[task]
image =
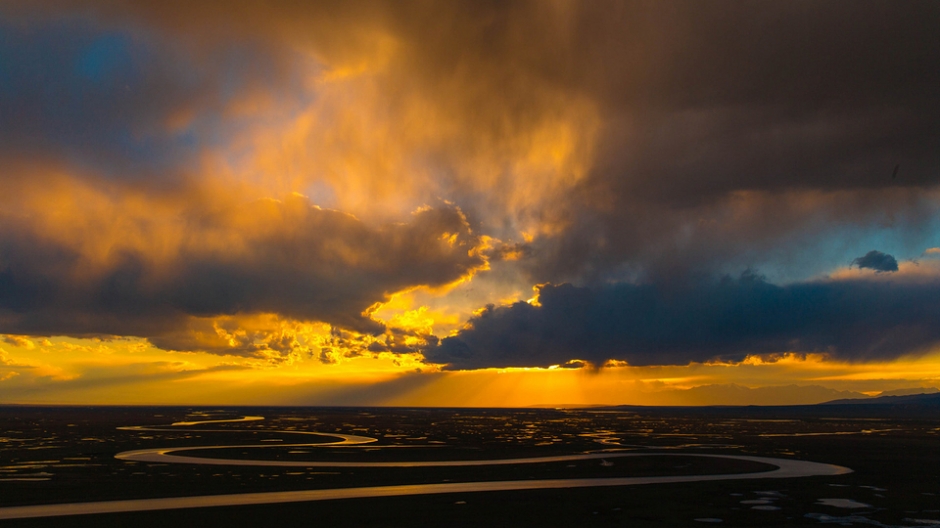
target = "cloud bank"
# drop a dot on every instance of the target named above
(157, 272)
(726, 319)
(623, 154)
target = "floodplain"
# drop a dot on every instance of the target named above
(641, 463)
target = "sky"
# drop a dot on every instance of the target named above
(468, 203)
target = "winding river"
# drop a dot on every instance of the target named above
(785, 468)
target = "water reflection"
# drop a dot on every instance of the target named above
(785, 469)
(79, 448)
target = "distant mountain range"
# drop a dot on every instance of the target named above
(738, 395)
(932, 399)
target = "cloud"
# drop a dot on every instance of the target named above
(725, 319)
(134, 268)
(545, 102)
(19, 341)
(6, 362)
(102, 377)
(125, 104)
(878, 261)
(627, 144)
(108, 383)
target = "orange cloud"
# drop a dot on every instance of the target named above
(344, 200)
(165, 266)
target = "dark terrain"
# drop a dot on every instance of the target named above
(66, 454)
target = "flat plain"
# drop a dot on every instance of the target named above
(55, 455)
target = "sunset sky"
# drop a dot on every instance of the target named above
(468, 203)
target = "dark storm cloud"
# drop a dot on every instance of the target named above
(288, 258)
(878, 261)
(699, 100)
(731, 134)
(120, 102)
(723, 319)
(802, 108)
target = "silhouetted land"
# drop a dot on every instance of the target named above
(66, 454)
(912, 400)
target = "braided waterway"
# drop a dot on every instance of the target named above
(784, 468)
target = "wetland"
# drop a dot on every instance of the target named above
(631, 466)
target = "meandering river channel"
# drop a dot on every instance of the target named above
(785, 468)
